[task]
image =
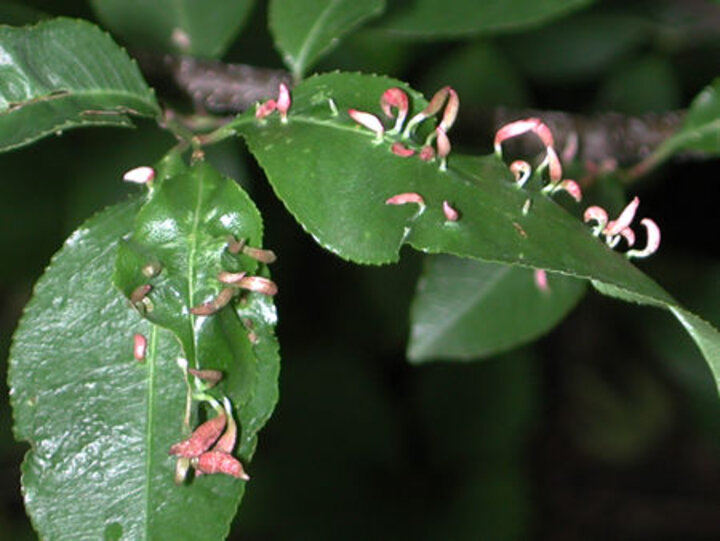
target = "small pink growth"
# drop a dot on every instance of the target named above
(257, 284)
(451, 215)
(427, 153)
(217, 462)
(541, 281)
(139, 293)
(226, 443)
(231, 277)
(571, 147)
(201, 439)
(443, 143)
(258, 254)
(401, 150)
(571, 187)
(180, 39)
(545, 135)
(212, 377)
(405, 198)
(212, 307)
(653, 239)
(367, 120)
(451, 110)
(395, 98)
(512, 130)
(283, 101)
(140, 175)
(139, 347)
(521, 170)
(629, 236)
(598, 215)
(520, 230)
(624, 220)
(554, 165)
(265, 109)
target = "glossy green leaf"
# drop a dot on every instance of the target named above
(334, 177)
(701, 129)
(184, 228)
(304, 30)
(176, 26)
(466, 309)
(100, 423)
(62, 74)
(429, 19)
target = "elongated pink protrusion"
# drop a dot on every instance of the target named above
(201, 439)
(543, 132)
(283, 101)
(140, 175)
(368, 120)
(521, 170)
(395, 98)
(226, 443)
(653, 240)
(554, 165)
(541, 281)
(259, 254)
(513, 129)
(265, 109)
(257, 284)
(401, 150)
(405, 198)
(217, 462)
(139, 293)
(231, 277)
(451, 110)
(451, 215)
(427, 153)
(139, 347)
(443, 147)
(571, 187)
(629, 236)
(624, 220)
(212, 377)
(598, 215)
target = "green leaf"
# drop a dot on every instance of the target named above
(62, 74)
(334, 177)
(100, 423)
(304, 30)
(701, 129)
(428, 19)
(466, 309)
(176, 26)
(184, 228)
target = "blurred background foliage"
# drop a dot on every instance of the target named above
(607, 428)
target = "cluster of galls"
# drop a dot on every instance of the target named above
(615, 230)
(209, 448)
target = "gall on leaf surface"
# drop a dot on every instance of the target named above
(334, 177)
(99, 422)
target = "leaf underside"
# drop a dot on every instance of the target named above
(334, 177)
(176, 26)
(465, 309)
(62, 74)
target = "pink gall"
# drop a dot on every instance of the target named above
(265, 109)
(139, 347)
(653, 240)
(521, 170)
(395, 98)
(368, 121)
(451, 215)
(405, 198)
(283, 101)
(217, 462)
(140, 175)
(541, 281)
(624, 220)
(201, 439)
(401, 150)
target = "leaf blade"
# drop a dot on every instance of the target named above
(466, 309)
(304, 30)
(176, 26)
(90, 409)
(61, 74)
(347, 175)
